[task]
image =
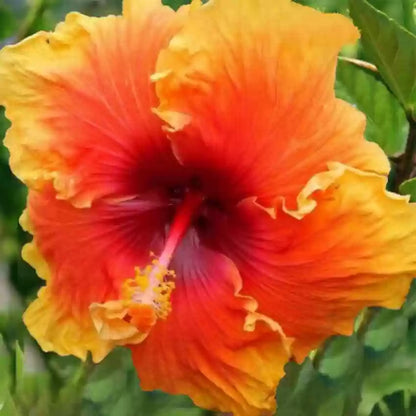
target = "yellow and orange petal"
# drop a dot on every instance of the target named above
(59, 331)
(348, 245)
(85, 255)
(113, 324)
(91, 251)
(214, 346)
(80, 101)
(247, 88)
(143, 300)
(65, 333)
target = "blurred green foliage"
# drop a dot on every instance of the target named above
(409, 187)
(372, 372)
(392, 48)
(359, 375)
(386, 120)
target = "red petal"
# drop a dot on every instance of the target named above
(314, 273)
(207, 348)
(80, 100)
(248, 89)
(91, 251)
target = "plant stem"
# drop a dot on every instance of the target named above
(70, 395)
(360, 63)
(35, 12)
(407, 162)
(320, 353)
(384, 409)
(365, 323)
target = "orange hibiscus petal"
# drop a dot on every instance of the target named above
(214, 346)
(248, 90)
(59, 331)
(349, 245)
(85, 255)
(80, 100)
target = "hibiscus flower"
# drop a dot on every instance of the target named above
(198, 194)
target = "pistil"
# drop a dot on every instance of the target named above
(152, 286)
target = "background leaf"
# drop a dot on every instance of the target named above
(358, 375)
(175, 4)
(386, 121)
(402, 11)
(409, 188)
(392, 49)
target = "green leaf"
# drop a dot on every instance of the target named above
(113, 389)
(399, 10)
(395, 373)
(7, 405)
(109, 380)
(387, 330)
(19, 370)
(358, 375)
(392, 49)
(342, 358)
(409, 308)
(5, 370)
(175, 4)
(305, 391)
(326, 5)
(409, 188)
(7, 21)
(386, 121)
(408, 7)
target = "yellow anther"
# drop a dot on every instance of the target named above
(151, 286)
(142, 281)
(162, 299)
